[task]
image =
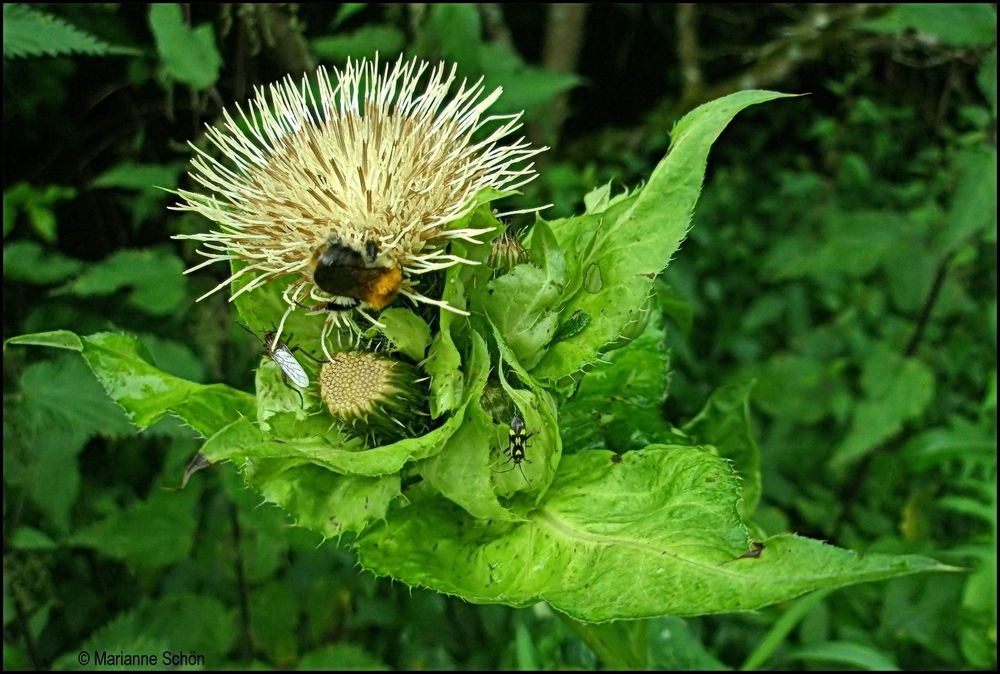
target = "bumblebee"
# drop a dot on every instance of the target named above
(352, 276)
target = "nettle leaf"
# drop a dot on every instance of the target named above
(29, 538)
(853, 243)
(386, 40)
(124, 634)
(952, 24)
(28, 32)
(622, 249)
(274, 622)
(145, 392)
(619, 404)
(149, 534)
(177, 623)
(340, 657)
(523, 303)
(974, 204)
(189, 55)
(36, 203)
(799, 388)
(724, 423)
(58, 408)
(897, 389)
(526, 87)
(27, 261)
(155, 279)
(141, 177)
(986, 78)
(666, 515)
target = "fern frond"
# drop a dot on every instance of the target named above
(28, 32)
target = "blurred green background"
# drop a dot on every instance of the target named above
(843, 255)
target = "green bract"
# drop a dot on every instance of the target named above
(567, 341)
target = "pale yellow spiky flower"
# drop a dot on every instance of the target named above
(389, 155)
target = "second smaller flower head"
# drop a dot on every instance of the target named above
(351, 187)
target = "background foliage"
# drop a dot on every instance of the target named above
(842, 257)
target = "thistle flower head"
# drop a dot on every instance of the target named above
(366, 171)
(506, 252)
(375, 395)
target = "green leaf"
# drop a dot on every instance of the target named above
(897, 390)
(64, 390)
(179, 623)
(37, 203)
(28, 32)
(666, 513)
(977, 634)
(724, 422)
(798, 388)
(189, 55)
(126, 633)
(526, 87)
(974, 204)
(845, 653)
(143, 391)
(28, 261)
(619, 404)
(340, 657)
(321, 500)
(274, 622)
(537, 409)
(29, 538)
(149, 534)
(386, 40)
(462, 470)
(782, 627)
(155, 278)
(452, 31)
(935, 447)
(853, 244)
(142, 177)
(262, 310)
(673, 646)
(986, 78)
(522, 303)
(244, 441)
(175, 358)
(443, 365)
(953, 24)
(58, 408)
(409, 333)
(617, 254)
(347, 10)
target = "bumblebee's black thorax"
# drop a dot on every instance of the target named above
(343, 271)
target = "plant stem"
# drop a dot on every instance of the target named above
(782, 627)
(241, 581)
(925, 312)
(618, 645)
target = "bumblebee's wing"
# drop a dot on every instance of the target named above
(290, 366)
